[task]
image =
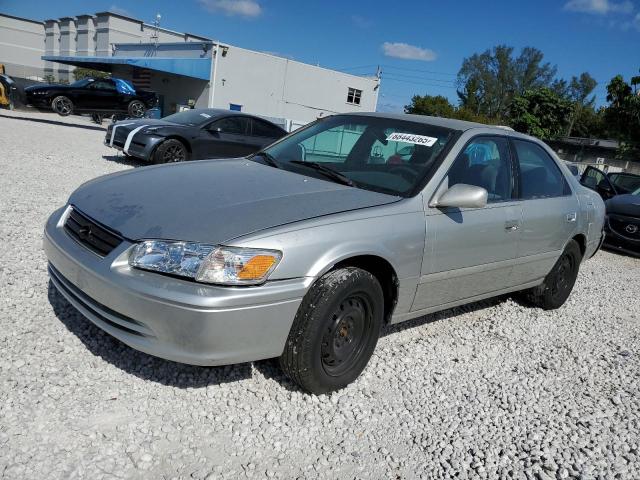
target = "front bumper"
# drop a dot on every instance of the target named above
(139, 146)
(167, 317)
(615, 241)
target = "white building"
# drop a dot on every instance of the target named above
(181, 67)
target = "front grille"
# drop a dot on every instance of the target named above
(90, 234)
(624, 226)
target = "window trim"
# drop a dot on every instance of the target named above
(514, 184)
(359, 96)
(567, 190)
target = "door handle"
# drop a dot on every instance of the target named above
(572, 217)
(511, 225)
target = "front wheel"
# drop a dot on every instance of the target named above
(171, 151)
(62, 105)
(136, 109)
(335, 331)
(559, 282)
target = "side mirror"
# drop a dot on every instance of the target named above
(462, 195)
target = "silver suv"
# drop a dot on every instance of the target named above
(306, 249)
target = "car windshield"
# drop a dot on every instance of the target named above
(625, 182)
(381, 154)
(83, 82)
(189, 117)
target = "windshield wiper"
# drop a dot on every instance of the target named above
(268, 158)
(326, 171)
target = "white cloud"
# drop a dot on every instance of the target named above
(599, 7)
(243, 8)
(408, 52)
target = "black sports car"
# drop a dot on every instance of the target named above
(92, 95)
(621, 192)
(192, 135)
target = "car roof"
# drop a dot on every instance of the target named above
(461, 125)
(221, 112)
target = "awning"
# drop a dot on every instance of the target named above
(199, 68)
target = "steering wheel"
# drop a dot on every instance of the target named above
(405, 172)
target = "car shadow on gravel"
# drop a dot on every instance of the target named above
(443, 315)
(54, 122)
(122, 160)
(137, 363)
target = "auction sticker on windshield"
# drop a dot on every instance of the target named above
(411, 138)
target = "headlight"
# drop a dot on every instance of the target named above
(151, 129)
(206, 263)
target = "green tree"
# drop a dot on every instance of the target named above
(540, 112)
(80, 73)
(434, 106)
(488, 81)
(579, 93)
(622, 115)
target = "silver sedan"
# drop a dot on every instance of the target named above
(306, 249)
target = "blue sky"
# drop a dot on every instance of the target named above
(419, 45)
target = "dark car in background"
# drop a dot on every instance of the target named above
(193, 135)
(92, 95)
(621, 192)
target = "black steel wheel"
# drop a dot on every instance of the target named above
(62, 105)
(171, 151)
(559, 282)
(335, 331)
(136, 109)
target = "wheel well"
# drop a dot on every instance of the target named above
(384, 273)
(180, 139)
(582, 243)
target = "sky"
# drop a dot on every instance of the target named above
(419, 45)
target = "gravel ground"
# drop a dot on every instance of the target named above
(495, 389)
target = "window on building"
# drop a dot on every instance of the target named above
(235, 107)
(353, 96)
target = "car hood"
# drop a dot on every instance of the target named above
(624, 205)
(213, 201)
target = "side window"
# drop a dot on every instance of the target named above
(486, 163)
(263, 129)
(102, 85)
(232, 125)
(540, 177)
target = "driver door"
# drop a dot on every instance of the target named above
(470, 252)
(226, 138)
(597, 180)
(101, 95)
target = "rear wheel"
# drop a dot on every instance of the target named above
(558, 284)
(62, 105)
(335, 331)
(136, 109)
(171, 151)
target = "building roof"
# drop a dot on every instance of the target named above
(22, 19)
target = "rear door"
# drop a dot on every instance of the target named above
(470, 252)
(227, 137)
(549, 211)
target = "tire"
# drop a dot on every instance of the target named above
(62, 105)
(335, 331)
(136, 109)
(559, 282)
(171, 151)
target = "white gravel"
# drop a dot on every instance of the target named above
(491, 390)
